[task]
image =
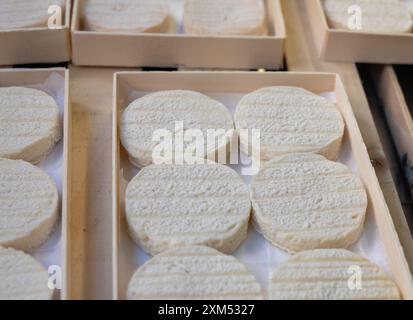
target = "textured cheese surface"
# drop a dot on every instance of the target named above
(303, 201)
(327, 275)
(17, 14)
(30, 125)
(290, 120)
(161, 110)
(169, 206)
(28, 205)
(389, 16)
(229, 17)
(22, 277)
(126, 15)
(193, 273)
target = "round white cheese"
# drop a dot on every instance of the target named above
(169, 206)
(330, 275)
(22, 277)
(229, 17)
(179, 113)
(303, 201)
(193, 273)
(29, 205)
(289, 120)
(135, 16)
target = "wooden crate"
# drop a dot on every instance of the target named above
(243, 83)
(32, 77)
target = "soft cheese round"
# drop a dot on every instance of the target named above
(193, 273)
(22, 277)
(135, 16)
(28, 205)
(303, 201)
(18, 14)
(169, 206)
(389, 16)
(330, 274)
(289, 120)
(229, 17)
(163, 110)
(30, 124)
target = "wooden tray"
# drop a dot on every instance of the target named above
(179, 50)
(350, 46)
(58, 253)
(37, 45)
(378, 216)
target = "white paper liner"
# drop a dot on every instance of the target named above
(48, 254)
(259, 255)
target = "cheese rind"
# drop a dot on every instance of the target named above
(193, 273)
(165, 111)
(289, 120)
(135, 16)
(330, 275)
(388, 16)
(303, 202)
(170, 206)
(229, 17)
(30, 125)
(22, 277)
(29, 204)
